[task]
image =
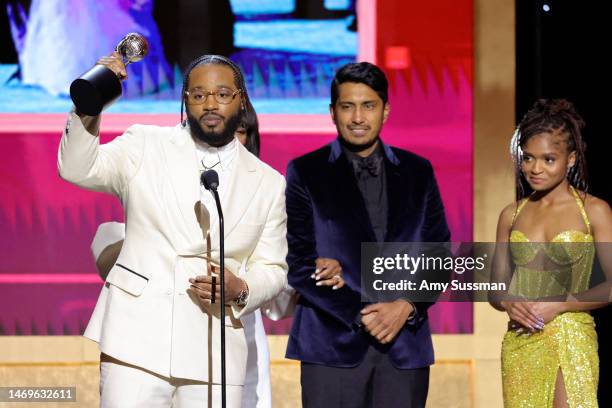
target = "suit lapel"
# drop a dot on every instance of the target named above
(347, 191)
(397, 192)
(182, 168)
(244, 182)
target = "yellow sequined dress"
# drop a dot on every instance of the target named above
(569, 342)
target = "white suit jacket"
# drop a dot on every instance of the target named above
(256, 391)
(144, 316)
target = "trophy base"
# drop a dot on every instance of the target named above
(96, 90)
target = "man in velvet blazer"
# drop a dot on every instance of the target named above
(357, 189)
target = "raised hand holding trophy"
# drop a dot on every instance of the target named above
(100, 87)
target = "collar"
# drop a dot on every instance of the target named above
(225, 154)
(336, 152)
(378, 152)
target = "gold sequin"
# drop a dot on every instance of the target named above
(530, 363)
(569, 342)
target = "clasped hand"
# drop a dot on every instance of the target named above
(533, 315)
(207, 288)
(385, 320)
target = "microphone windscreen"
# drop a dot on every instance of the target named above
(210, 179)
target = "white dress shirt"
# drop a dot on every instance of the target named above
(220, 159)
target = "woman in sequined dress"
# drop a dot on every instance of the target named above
(552, 231)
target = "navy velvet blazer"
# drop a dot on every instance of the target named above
(327, 218)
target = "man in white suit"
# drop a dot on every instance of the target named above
(256, 392)
(155, 323)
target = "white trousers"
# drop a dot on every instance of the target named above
(126, 386)
(256, 392)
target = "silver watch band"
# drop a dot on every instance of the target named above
(243, 296)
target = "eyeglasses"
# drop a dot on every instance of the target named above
(223, 96)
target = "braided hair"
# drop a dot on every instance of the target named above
(217, 60)
(551, 116)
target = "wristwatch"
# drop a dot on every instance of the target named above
(243, 296)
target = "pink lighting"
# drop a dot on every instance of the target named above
(46, 224)
(34, 278)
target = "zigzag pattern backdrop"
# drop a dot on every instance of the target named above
(48, 283)
(47, 224)
(267, 74)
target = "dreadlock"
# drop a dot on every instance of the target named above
(251, 126)
(217, 60)
(556, 116)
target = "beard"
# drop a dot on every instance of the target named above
(212, 138)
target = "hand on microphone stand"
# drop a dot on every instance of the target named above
(202, 286)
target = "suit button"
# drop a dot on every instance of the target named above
(168, 292)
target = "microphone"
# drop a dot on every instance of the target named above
(210, 180)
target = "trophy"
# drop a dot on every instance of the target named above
(100, 87)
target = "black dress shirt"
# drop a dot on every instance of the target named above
(370, 174)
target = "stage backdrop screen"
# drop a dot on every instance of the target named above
(287, 49)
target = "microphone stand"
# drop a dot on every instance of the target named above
(210, 180)
(222, 274)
